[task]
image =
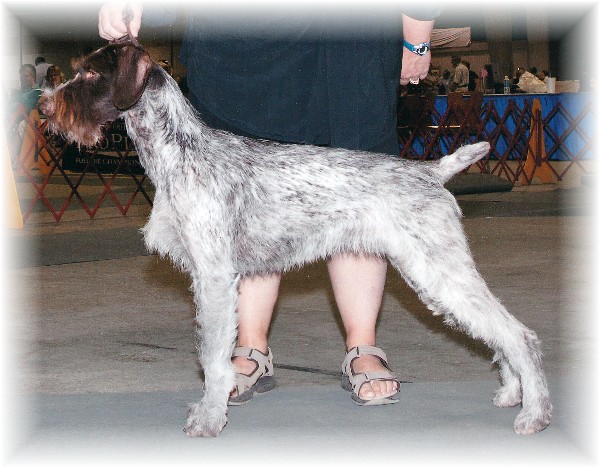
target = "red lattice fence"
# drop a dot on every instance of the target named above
(525, 143)
(40, 159)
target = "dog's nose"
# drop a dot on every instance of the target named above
(47, 106)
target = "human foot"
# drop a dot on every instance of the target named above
(254, 374)
(367, 375)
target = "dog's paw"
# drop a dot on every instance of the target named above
(204, 422)
(508, 396)
(531, 421)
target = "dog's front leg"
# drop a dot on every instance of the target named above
(215, 295)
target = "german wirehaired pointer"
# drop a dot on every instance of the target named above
(228, 207)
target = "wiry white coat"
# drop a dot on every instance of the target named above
(227, 207)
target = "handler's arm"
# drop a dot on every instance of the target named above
(416, 32)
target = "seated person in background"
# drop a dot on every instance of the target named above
(28, 94)
(27, 97)
(54, 77)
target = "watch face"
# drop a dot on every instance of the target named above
(422, 49)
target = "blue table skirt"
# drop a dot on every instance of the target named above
(569, 121)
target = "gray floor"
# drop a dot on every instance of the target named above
(103, 360)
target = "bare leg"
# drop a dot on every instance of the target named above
(358, 283)
(256, 301)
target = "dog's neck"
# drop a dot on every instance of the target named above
(163, 117)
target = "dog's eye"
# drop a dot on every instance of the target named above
(90, 75)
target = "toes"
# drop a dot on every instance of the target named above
(374, 388)
(203, 422)
(532, 420)
(506, 400)
(378, 389)
(367, 392)
(525, 424)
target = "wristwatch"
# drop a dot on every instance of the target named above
(419, 49)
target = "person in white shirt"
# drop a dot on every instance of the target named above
(460, 78)
(41, 69)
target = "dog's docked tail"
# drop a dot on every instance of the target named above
(452, 164)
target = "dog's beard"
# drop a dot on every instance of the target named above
(77, 122)
(81, 136)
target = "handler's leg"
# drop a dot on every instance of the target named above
(256, 301)
(358, 283)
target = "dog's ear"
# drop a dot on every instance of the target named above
(130, 77)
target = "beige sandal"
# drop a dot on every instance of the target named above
(352, 382)
(260, 380)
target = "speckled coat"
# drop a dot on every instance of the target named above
(228, 207)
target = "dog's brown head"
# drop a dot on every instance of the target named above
(107, 82)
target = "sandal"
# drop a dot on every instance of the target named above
(352, 382)
(260, 380)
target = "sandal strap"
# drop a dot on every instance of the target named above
(264, 367)
(254, 355)
(358, 351)
(357, 380)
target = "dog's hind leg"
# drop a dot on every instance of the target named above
(438, 265)
(510, 392)
(215, 295)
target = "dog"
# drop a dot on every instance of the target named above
(228, 207)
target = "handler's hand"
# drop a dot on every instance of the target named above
(111, 25)
(414, 66)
